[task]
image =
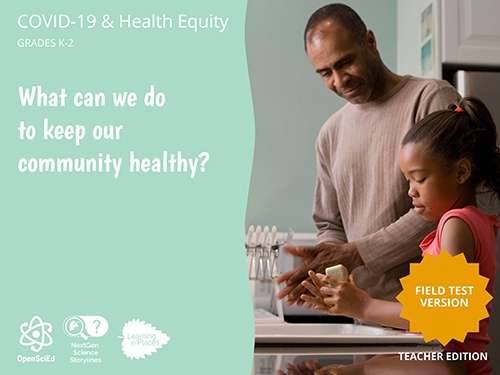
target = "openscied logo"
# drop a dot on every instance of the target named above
(35, 334)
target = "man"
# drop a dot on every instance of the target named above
(364, 216)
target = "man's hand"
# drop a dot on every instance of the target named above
(317, 259)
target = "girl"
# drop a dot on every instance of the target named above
(446, 158)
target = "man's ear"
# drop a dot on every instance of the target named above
(370, 40)
(464, 170)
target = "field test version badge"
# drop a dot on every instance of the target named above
(444, 297)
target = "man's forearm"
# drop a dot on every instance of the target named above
(330, 233)
(394, 245)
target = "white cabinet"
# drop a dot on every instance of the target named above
(470, 32)
(465, 33)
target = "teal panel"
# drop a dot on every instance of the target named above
(157, 244)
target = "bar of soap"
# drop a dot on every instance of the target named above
(338, 271)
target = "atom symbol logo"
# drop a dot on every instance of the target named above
(35, 330)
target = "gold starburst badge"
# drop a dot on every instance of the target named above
(444, 297)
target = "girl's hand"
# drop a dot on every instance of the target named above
(301, 368)
(345, 299)
(314, 288)
(334, 370)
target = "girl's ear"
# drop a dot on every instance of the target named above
(464, 170)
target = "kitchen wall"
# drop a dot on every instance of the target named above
(291, 104)
(409, 36)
